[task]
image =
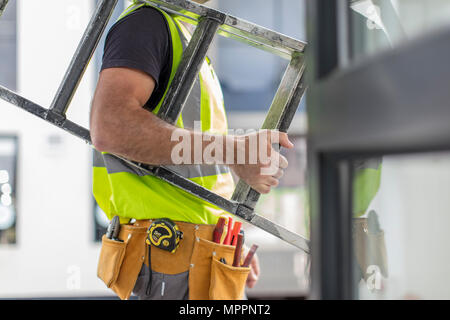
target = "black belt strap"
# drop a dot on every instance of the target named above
(149, 284)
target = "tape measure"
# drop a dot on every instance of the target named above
(164, 234)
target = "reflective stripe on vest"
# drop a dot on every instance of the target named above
(121, 189)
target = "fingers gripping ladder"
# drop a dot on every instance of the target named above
(209, 23)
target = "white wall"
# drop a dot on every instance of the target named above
(55, 254)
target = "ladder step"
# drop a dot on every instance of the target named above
(188, 69)
(81, 58)
(236, 28)
(280, 115)
(42, 113)
(287, 97)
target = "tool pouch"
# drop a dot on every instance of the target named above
(110, 260)
(227, 282)
(210, 279)
(120, 262)
(370, 248)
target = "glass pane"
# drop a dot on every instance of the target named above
(380, 24)
(249, 76)
(400, 227)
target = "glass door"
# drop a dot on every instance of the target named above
(378, 148)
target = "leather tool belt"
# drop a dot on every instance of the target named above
(120, 262)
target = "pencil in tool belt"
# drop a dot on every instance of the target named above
(230, 230)
(236, 229)
(238, 250)
(249, 256)
(218, 230)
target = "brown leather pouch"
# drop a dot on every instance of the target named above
(120, 262)
(210, 279)
(110, 260)
(227, 282)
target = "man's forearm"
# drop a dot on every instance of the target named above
(141, 136)
(119, 125)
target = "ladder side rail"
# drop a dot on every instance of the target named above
(190, 65)
(230, 206)
(280, 115)
(281, 232)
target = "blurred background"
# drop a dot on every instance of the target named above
(50, 225)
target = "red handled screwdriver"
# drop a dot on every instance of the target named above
(218, 230)
(236, 229)
(230, 230)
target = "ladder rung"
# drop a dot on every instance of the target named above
(188, 69)
(280, 115)
(236, 28)
(81, 59)
(287, 98)
(42, 113)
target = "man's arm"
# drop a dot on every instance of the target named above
(120, 125)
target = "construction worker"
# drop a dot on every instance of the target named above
(142, 52)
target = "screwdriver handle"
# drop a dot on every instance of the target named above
(238, 250)
(227, 240)
(218, 230)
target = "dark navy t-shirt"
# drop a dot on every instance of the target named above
(141, 41)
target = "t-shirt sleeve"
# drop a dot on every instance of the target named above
(138, 41)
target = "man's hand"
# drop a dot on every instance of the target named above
(263, 166)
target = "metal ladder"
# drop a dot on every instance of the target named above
(209, 23)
